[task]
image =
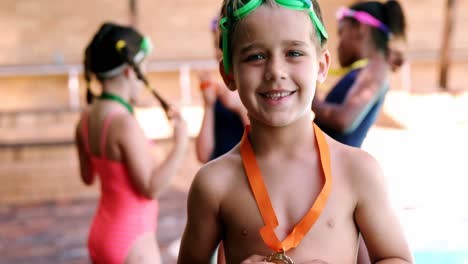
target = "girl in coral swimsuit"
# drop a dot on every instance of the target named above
(112, 146)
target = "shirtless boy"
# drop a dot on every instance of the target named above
(287, 193)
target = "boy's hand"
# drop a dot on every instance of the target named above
(255, 259)
(315, 261)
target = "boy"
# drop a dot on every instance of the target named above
(286, 181)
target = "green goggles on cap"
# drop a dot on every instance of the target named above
(146, 47)
(247, 8)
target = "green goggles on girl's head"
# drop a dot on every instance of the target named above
(249, 6)
(146, 46)
(144, 50)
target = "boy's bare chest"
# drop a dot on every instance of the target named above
(291, 200)
(292, 190)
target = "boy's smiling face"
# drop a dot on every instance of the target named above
(276, 63)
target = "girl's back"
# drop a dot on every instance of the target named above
(113, 147)
(123, 214)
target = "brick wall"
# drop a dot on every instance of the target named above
(51, 31)
(56, 31)
(41, 174)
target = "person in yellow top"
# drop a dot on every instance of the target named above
(288, 193)
(366, 31)
(367, 52)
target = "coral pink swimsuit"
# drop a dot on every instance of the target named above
(123, 215)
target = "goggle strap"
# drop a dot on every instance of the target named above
(296, 5)
(146, 45)
(321, 31)
(247, 8)
(224, 42)
(226, 61)
(252, 5)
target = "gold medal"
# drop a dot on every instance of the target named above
(278, 258)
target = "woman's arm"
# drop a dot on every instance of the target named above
(205, 141)
(345, 117)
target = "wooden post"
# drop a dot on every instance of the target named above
(446, 43)
(133, 7)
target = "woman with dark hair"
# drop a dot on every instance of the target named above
(224, 116)
(112, 145)
(367, 31)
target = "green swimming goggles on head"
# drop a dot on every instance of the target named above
(146, 46)
(145, 49)
(249, 6)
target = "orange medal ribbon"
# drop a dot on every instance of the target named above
(263, 200)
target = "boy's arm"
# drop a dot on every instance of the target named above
(375, 217)
(202, 231)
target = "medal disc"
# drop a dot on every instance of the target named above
(279, 258)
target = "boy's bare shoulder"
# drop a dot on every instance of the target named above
(359, 165)
(216, 176)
